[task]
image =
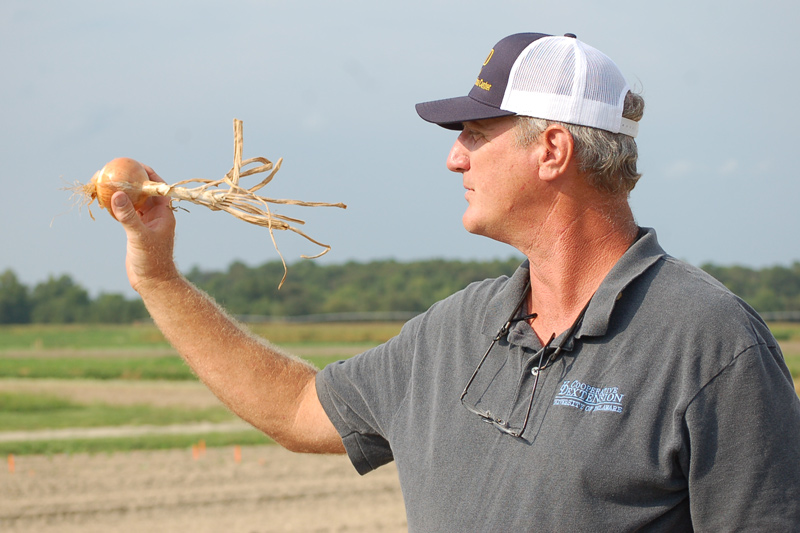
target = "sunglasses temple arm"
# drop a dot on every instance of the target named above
(472, 378)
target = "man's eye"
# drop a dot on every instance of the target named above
(473, 135)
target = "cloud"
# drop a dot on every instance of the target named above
(679, 169)
(763, 167)
(728, 167)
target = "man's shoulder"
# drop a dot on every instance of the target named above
(689, 296)
(468, 306)
(485, 290)
(690, 277)
(689, 285)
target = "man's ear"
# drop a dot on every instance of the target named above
(556, 152)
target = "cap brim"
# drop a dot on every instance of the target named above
(453, 112)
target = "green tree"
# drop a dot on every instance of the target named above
(59, 301)
(15, 303)
(115, 309)
(774, 288)
(383, 285)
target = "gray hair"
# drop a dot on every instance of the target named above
(608, 159)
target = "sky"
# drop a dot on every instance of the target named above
(330, 87)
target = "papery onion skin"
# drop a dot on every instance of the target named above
(121, 174)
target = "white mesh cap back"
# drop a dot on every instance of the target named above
(566, 80)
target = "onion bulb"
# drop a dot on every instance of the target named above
(121, 174)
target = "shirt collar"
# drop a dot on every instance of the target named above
(641, 255)
(502, 304)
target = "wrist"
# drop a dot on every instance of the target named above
(165, 283)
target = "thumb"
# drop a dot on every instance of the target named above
(122, 209)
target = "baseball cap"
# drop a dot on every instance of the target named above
(544, 76)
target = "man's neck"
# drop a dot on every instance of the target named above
(569, 262)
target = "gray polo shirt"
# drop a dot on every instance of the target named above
(669, 409)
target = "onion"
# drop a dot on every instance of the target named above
(121, 174)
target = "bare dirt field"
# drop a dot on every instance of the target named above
(263, 489)
(267, 490)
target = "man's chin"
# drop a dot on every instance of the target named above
(472, 226)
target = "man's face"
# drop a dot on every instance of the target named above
(498, 176)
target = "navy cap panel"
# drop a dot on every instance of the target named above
(486, 95)
(490, 87)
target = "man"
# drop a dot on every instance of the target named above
(605, 386)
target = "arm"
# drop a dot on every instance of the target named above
(269, 389)
(744, 447)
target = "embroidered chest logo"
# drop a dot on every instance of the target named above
(588, 398)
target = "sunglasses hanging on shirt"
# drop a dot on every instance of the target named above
(486, 415)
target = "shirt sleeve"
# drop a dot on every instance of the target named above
(743, 459)
(362, 394)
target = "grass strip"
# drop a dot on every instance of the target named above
(792, 359)
(80, 336)
(166, 368)
(23, 412)
(135, 336)
(125, 444)
(327, 332)
(134, 368)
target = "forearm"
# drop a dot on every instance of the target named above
(257, 381)
(273, 391)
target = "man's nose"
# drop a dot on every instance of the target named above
(458, 158)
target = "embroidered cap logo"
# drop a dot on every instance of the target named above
(488, 58)
(481, 83)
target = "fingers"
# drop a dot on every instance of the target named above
(150, 234)
(152, 174)
(154, 220)
(124, 211)
(151, 237)
(155, 200)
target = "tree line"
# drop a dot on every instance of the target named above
(314, 289)
(60, 300)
